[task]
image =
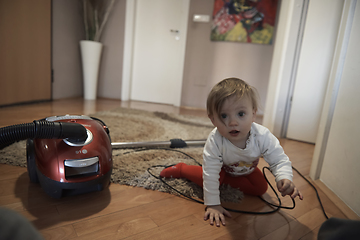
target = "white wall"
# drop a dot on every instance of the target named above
(208, 62)
(341, 165)
(111, 67)
(68, 30)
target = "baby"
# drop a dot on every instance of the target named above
(232, 150)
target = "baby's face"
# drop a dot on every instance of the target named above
(235, 119)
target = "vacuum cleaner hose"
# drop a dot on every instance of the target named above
(42, 130)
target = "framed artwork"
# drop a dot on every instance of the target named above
(249, 21)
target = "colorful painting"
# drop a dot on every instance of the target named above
(250, 21)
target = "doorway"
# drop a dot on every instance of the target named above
(158, 50)
(313, 69)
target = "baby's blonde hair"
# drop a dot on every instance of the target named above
(227, 88)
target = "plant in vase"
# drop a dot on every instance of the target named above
(95, 13)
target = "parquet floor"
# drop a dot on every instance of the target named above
(122, 212)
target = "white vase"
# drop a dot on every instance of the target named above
(90, 55)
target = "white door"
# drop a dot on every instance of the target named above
(315, 61)
(159, 50)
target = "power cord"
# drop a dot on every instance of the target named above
(317, 193)
(276, 207)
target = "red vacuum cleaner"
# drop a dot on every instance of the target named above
(72, 154)
(67, 155)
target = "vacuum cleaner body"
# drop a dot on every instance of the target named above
(68, 166)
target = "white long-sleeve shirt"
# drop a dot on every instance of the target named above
(219, 153)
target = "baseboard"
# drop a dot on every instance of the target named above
(348, 212)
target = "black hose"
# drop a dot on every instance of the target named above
(42, 130)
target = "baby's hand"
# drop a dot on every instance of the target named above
(216, 212)
(287, 187)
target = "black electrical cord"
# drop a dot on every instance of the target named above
(276, 207)
(317, 194)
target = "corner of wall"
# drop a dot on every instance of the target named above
(277, 67)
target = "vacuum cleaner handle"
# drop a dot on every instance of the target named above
(42, 130)
(173, 143)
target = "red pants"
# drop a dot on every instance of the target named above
(252, 184)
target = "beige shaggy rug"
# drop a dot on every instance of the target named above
(130, 166)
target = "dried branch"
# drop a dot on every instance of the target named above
(96, 14)
(104, 20)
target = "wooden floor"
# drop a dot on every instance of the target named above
(122, 212)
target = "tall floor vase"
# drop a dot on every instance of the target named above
(90, 55)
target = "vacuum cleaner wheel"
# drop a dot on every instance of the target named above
(31, 163)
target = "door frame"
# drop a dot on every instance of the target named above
(128, 50)
(130, 19)
(284, 65)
